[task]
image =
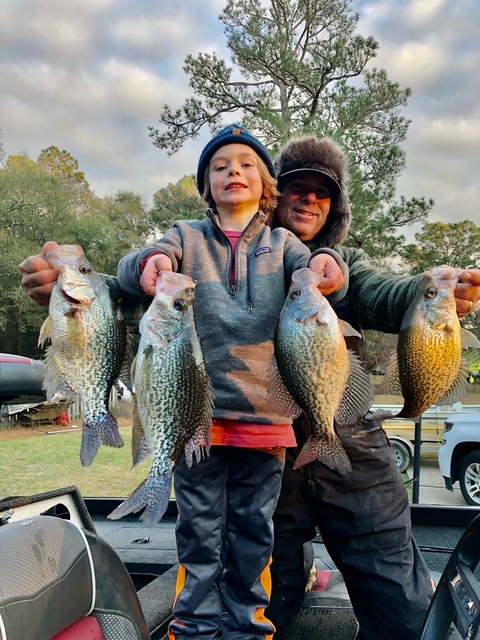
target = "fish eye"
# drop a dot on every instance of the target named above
(294, 293)
(86, 271)
(180, 304)
(431, 293)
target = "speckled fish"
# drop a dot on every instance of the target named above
(172, 394)
(318, 374)
(88, 345)
(427, 368)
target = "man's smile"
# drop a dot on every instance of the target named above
(305, 212)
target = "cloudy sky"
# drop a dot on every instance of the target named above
(89, 76)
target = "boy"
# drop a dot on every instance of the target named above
(242, 269)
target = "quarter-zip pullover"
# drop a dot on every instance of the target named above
(235, 318)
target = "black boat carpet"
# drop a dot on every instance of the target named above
(322, 619)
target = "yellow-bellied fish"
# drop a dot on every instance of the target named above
(427, 368)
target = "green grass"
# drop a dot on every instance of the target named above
(42, 463)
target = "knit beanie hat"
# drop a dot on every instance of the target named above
(323, 156)
(231, 134)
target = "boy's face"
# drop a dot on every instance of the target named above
(304, 205)
(235, 180)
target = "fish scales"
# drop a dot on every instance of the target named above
(320, 376)
(427, 368)
(172, 394)
(308, 357)
(431, 357)
(88, 345)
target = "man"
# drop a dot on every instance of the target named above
(363, 516)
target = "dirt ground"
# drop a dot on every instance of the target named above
(472, 397)
(20, 432)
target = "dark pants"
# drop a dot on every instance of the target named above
(364, 520)
(224, 538)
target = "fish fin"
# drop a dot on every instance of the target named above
(347, 329)
(96, 431)
(125, 374)
(328, 451)
(279, 398)
(148, 351)
(380, 414)
(54, 381)
(45, 331)
(140, 447)
(133, 369)
(153, 493)
(359, 393)
(469, 340)
(198, 445)
(391, 384)
(459, 387)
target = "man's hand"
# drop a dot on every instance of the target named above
(467, 291)
(333, 278)
(38, 277)
(157, 263)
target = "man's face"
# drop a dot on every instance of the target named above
(304, 204)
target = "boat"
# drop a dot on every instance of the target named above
(133, 570)
(21, 379)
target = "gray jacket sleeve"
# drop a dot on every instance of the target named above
(379, 297)
(128, 272)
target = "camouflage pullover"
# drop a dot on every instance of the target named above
(235, 317)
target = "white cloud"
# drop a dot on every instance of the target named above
(89, 76)
(417, 63)
(424, 10)
(460, 135)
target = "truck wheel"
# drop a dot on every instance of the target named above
(401, 454)
(469, 477)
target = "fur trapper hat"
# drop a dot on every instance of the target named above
(325, 157)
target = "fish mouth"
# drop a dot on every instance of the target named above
(76, 302)
(304, 315)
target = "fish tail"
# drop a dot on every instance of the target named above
(96, 431)
(153, 493)
(330, 452)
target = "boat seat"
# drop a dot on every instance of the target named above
(60, 582)
(455, 608)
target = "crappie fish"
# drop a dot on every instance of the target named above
(427, 368)
(318, 374)
(172, 394)
(88, 345)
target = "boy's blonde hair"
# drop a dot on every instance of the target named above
(267, 203)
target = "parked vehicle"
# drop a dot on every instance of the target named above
(21, 379)
(401, 433)
(459, 455)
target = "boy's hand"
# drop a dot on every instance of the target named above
(38, 277)
(333, 278)
(157, 263)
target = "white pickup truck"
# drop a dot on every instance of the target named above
(401, 433)
(459, 455)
